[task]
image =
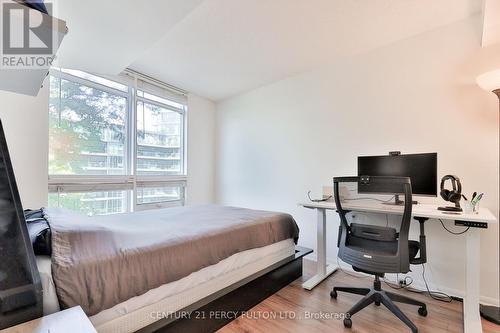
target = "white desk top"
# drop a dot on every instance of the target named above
(71, 320)
(421, 210)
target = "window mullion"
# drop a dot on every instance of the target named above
(134, 143)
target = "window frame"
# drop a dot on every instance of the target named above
(131, 180)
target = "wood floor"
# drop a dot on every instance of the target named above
(292, 308)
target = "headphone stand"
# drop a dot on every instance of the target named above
(457, 208)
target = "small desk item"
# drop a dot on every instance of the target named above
(472, 319)
(71, 320)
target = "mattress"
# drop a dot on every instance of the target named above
(140, 311)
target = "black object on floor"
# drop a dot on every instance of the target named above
(490, 313)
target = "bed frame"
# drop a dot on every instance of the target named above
(206, 314)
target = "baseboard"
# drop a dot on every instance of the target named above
(418, 283)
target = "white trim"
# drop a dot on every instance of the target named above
(161, 179)
(72, 78)
(82, 179)
(159, 104)
(146, 78)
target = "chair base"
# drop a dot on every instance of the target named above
(378, 296)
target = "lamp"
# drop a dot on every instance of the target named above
(490, 81)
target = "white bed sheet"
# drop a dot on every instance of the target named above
(140, 311)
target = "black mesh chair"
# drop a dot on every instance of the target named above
(378, 250)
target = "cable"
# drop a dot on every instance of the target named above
(407, 285)
(318, 200)
(376, 199)
(452, 232)
(436, 295)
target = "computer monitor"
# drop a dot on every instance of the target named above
(421, 168)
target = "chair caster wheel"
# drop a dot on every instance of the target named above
(333, 294)
(377, 303)
(422, 311)
(347, 322)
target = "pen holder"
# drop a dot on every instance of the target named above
(475, 208)
(469, 208)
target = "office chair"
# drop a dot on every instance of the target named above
(378, 250)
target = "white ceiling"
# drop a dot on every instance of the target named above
(219, 48)
(107, 36)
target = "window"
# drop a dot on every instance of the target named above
(159, 140)
(114, 146)
(159, 194)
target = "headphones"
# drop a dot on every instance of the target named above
(456, 193)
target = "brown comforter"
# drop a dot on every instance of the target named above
(98, 262)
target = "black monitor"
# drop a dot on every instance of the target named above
(421, 168)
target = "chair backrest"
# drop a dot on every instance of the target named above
(366, 258)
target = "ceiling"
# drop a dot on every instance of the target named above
(220, 48)
(105, 37)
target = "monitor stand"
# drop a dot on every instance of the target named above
(398, 202)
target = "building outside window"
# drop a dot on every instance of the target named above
(114, 146)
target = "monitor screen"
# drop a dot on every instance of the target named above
(421, 168)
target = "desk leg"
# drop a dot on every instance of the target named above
(472, 319)
(323, 270)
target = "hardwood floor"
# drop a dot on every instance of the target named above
(294, 309)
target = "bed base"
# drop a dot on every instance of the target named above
(213, 312)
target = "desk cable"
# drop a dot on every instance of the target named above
(453, 232)
(393, 286)
(318, 200)
(436, 295)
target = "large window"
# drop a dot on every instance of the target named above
(114, 145)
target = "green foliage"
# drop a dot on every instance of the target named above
(79, 118)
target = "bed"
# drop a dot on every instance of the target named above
(213, 249)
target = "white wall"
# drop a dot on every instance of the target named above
(25, 121)
(201, 139)
(279, 141)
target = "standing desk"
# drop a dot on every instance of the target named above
(472, 319)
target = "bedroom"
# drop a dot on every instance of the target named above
(175, 110)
